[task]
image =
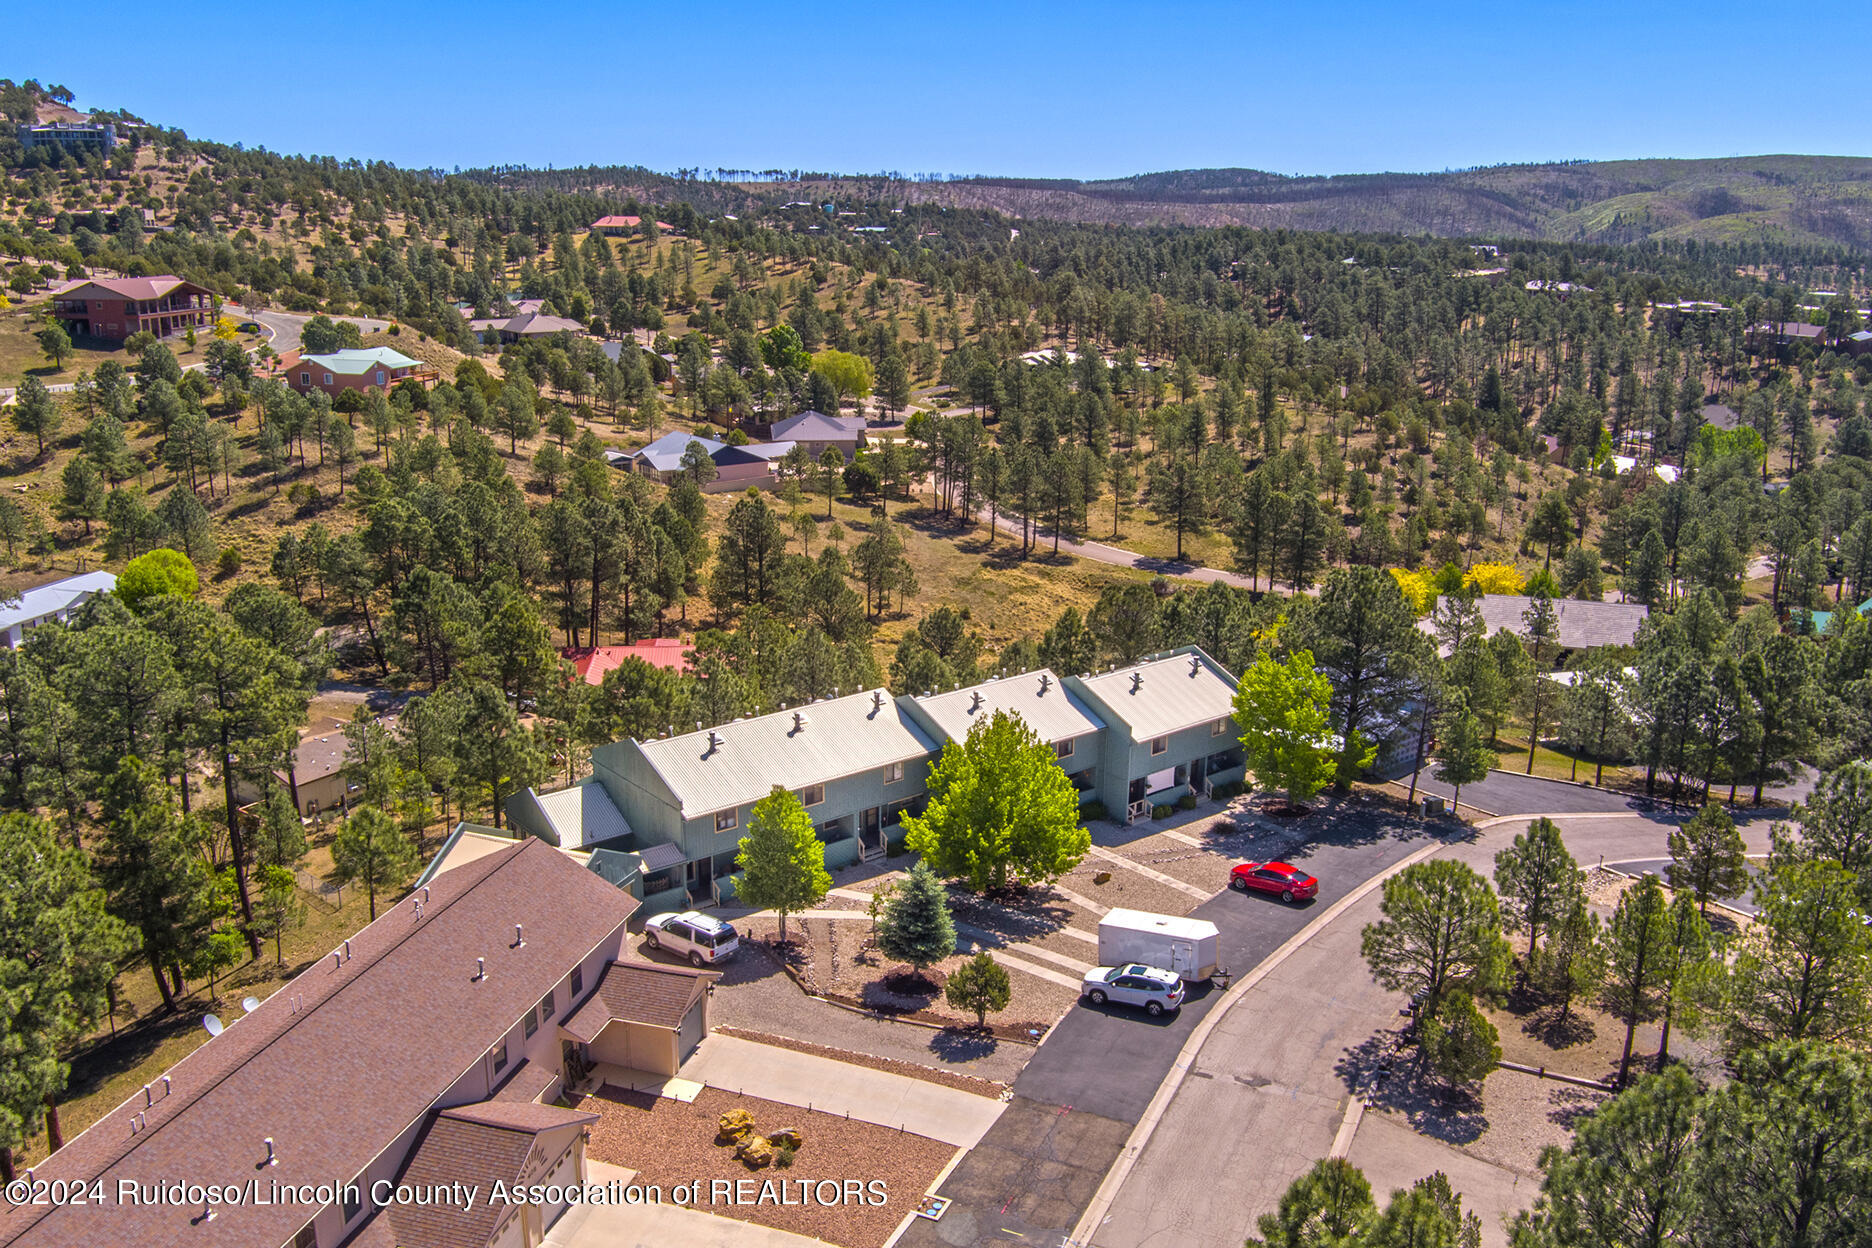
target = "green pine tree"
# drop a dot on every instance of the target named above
(916, 927)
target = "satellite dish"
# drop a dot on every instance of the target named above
(249, 1004)
(213, 1023)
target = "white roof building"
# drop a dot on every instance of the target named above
(54, 601)
(1054, 712)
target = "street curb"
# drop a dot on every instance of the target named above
(1140, 1137)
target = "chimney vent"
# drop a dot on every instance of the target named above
(480, 968)
(877, 699)
(1045, 682)
(1137, 681)
(1195, 665)
(714, 740)
(800, 721)
(975, 701)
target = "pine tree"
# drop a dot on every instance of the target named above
(1462, 752)
(782, 860)
(1537, 879)
(1707, 857)
(981, 984)
(916, 927)
(1638, 955)
(370, 848)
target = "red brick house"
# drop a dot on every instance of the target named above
(117, 307)
(371, 368)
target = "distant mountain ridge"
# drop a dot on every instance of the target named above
(1783, 198)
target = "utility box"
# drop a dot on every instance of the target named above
(1432, 805)
(1186, 947)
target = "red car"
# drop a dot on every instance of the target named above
(1290, 882)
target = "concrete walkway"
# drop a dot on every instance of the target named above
(833, 1087)
(658, 1226)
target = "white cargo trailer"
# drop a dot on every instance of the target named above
(1188, 947)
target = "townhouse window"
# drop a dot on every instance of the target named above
(1159, 744)
(500, 1057)
(353, 1199)
(546, 1005)
(1218, 728)
(531, 1022)
(578, 980)
(724, 820)
(812, 795)
(893, 772)
(1063, 749)
(307, 1237)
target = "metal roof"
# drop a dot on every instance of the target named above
(50, 599)
(1053, 711)
(583, 815)
(665, 454)
(662, 857)
(356, 361)
(741, 762)
(1583, 625)
(818, 427)
(1165, 695)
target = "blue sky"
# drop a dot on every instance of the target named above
(1034, 89)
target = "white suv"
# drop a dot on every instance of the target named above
(1135, 984)
(701, 938)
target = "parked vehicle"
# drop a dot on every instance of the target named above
(1156, 990)
(702, 938)
(1289, 882)
(1187, 947)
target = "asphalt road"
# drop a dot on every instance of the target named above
(284, 328)
(1657, 866)
(1092, 1079)
(1505, 793)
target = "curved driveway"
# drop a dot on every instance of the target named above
(1271, 1089)
(284, 328)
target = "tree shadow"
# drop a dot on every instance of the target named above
(1388, 1076)
(1548, 1027)
(963, 1044)
(1571, 1105)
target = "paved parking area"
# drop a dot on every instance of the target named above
(1089, 1083)
(1505, 793)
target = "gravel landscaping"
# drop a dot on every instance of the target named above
(1124, 889)
(929, 1074)
(837, 960)
(669, 1142)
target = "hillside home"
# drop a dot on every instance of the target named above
(53, 602)
(427, 1049)
(365, 368)
(116, 307)
(816, 431)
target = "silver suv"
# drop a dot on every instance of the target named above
(701, 938)
(1135, 984)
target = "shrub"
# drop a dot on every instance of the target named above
(229, 564)
(1228, 792)
(1161, 811)
(1186, 802)
(157, 573)
(783, 1155)
(1093, 810)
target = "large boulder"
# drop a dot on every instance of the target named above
(791, 1137)
(736, 1124)
(755, 1152)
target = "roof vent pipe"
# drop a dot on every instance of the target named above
(519, 937)
(800, 721)
(165, 1083)
(272, 1158)
(1045, 682)
(975, 701)
(877, 699)
(425, 894)
(480, 968)
(1195, 665)
(347, 950)
(1137, 681)
(337, 959)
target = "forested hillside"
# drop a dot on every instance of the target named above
(1766, 199)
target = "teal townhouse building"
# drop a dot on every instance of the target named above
(663, 818)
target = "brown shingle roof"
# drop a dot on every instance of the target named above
(473, 1144)
(639, 992)
(139, 288)
(340, 1062)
